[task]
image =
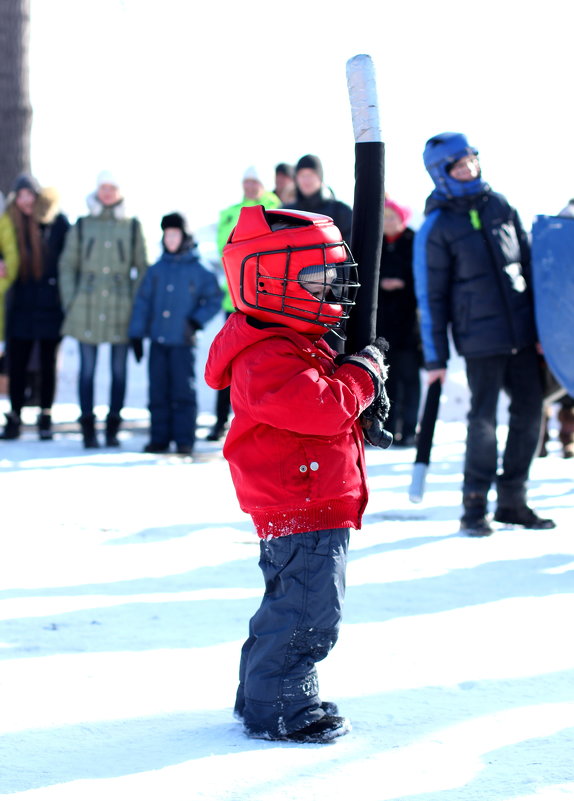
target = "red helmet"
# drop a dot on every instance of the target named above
(290, 267)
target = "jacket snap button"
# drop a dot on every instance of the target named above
(169, 287)
(106, 270)
(102, 317)
(303, 468)
(166, 313)
(314, 465)
(108, 244)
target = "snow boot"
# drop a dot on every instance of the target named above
(88, 423)
(45, 424)
(324, 730)
(157, 447)
(566, 434)
(12, 427)
(217, 432)
(474, 521)
(521, 514)
(113, 422)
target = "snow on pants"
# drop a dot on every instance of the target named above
(296, 626)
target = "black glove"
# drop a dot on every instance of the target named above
(137, 347)
(373, 419)
(191, 328)
(371, 359)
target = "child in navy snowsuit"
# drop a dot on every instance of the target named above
(177, 297)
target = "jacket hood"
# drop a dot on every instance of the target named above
(47, 205)
(239, 333)
(96, 208)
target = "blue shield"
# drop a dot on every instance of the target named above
(553, 283)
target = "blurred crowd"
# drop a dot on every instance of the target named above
(93, 281)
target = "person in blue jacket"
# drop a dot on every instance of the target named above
(177, 297)
(472, 275)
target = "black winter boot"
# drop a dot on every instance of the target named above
(521, 514)
(113, 422)
(474, 521)
(45, 424)
(12, 427)
(88, 423)
(323, 730)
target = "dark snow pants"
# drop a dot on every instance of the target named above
(296, 626)
(518, 375)
(172, 396)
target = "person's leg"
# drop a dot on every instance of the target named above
(411, 393)
(159, 399)
(48, 356)
(566, 420)
(485, 378)
(118, 364)
(523, 384)
(88, 361)
(183, 397)
(19, 351)
(296, 626)
(392, 388)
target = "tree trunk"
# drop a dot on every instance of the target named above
(15, 109)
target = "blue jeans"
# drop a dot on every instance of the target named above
(172, 396)
(518, 375)
(118, 364)
(296, 626)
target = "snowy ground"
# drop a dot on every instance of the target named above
(126, 584)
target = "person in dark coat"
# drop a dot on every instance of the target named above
(312, 194)
(472, 275)
(397, 322)
(177, 297)
(34, 314)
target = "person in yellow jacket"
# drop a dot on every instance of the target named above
(8, 263)
(254, 194)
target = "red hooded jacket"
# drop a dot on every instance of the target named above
(295, 447)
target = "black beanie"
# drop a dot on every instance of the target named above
(284, 169)
(25, 181)
(174, 220)
(310, 162)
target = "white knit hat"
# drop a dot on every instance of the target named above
(252, 174)
(107, 177)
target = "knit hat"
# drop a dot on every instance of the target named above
(174, 220)
(26, 181)
(106, 177)
(252, 174)
(310, 162)
(403, 212)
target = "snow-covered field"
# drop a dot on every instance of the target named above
(126, 584)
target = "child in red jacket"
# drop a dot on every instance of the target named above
(296, 453)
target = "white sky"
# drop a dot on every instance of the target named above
(179, 100)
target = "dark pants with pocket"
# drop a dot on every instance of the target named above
(20, 351)
(296, 626)
(518, 375)
(172, 396)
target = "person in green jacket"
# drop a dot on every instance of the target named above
(254, 194)
(101, 268)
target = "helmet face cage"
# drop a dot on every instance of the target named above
(315, 289)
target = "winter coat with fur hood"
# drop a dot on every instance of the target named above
(34, 309)
(101, 269)
(295, 447)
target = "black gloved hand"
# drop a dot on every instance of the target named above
(137, 347)
(373, 420)
(371, 359)
(191, 328)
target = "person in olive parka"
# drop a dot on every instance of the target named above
(101, 268)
